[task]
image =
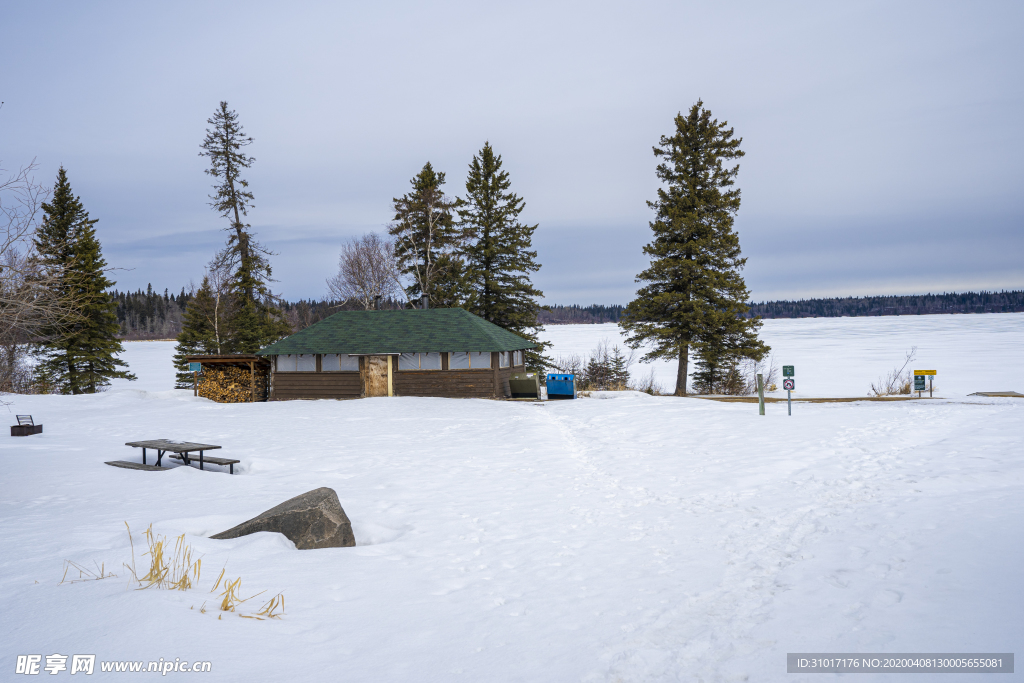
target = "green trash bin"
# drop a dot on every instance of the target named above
(524, 385)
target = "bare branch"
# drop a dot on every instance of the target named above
(367, 271)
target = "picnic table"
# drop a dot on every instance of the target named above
(182, 451)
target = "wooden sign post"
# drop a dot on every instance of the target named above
(760, 394)
(196, 368)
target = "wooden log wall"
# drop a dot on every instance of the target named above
(483, 383)
(312, 385)
(446, 383)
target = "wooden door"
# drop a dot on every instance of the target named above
(375, 376)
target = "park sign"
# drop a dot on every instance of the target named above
(919, 383)
(789, 384)
(195, 367)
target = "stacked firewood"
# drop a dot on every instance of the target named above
(230, 384)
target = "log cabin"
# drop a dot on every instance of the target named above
(445, 352)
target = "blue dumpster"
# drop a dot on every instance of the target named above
(561, 386)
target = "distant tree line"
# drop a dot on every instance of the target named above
(849, 306)
(149, 314)
(918, 304)
(576, 314)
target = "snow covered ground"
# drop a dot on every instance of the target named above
(618, 538)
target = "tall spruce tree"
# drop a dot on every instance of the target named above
(499, 255)
(256, 321)
(79, 355)
(428, 241)
(695, 296)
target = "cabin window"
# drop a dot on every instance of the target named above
(339, 362)
(457, 360)
(305, 362)
(419, 361)
(503, 359)
(517, 358)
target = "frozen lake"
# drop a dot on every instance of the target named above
(843, 356)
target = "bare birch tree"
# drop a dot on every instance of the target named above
(218, 275)
(367, 271)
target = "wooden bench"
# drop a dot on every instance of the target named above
(137, 466)
(208, 459)
(25, 426)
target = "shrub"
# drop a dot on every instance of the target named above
(898, 382)
(606, 368)
(738, 379)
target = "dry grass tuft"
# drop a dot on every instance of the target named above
(230, 598)
(176, 573)
(176, 568)
(270, 610)
(85, 574)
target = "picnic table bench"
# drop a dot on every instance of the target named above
(182, 451)
(128, 465)
(210, 459)
(26, 426)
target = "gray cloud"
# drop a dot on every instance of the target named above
(873, 131)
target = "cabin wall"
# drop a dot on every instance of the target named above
(490, 382)
(289, 386)
(445, 383)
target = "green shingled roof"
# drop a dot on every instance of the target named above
(405, 331)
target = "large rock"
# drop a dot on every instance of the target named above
(312, 520)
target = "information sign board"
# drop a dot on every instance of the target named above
(195, 367)
(925, 372)
(787, 371)
(919, 383)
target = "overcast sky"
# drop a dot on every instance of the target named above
(884, 141)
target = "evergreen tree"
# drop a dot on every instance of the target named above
(450, 289)
(695, 296)
(256, 322)
(199, 333)
(618, 370)
(78, 356)
(719, 352)
(428, 241)
(499, 258)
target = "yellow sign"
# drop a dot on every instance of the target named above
(925, 372)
